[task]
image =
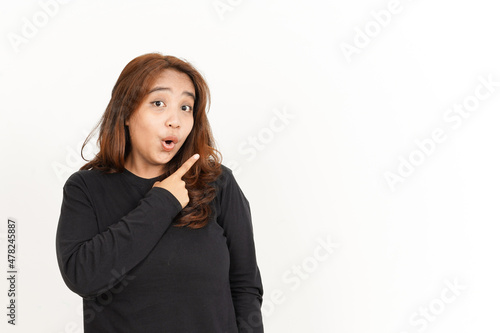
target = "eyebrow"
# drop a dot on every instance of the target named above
(187, 93)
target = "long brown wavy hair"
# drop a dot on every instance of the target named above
(114, 142)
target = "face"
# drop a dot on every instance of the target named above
(160, 125)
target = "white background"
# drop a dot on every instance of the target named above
(320, 176)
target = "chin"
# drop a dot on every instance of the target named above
(169, 156)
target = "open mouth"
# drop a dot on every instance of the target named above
(169, 142)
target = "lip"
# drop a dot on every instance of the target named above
(172, 138)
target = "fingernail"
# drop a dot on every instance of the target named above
(196, 156)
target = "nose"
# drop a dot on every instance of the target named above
(173, 120)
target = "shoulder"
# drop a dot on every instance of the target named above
(226, 173)
(228, 185)
(232, 206)
(87, 178)
(226, 178)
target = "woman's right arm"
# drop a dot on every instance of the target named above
(92, 262)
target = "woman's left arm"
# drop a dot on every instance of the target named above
(244, 274)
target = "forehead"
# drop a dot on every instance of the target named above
(173, 79)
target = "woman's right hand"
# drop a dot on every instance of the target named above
(175, 185)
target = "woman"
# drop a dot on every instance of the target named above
(154, 233)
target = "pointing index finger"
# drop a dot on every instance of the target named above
(187, 165)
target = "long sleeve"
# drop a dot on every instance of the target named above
(244, 275)
(92, 262)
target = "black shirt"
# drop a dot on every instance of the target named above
(136, 272)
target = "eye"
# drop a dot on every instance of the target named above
(187, 108)
(158, 103)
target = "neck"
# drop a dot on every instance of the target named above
(143, 171)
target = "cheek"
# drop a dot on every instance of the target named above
(140, 135)
(189, 128)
